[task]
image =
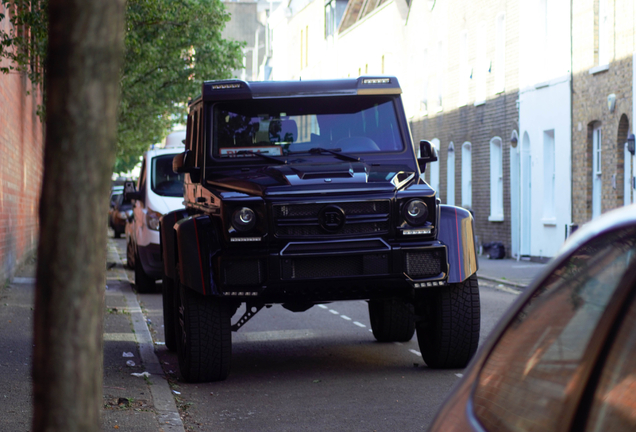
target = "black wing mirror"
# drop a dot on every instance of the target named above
(428, 153)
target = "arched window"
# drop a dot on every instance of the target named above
(496, 181)
(433, 170)
(467, 176)
(450, 175)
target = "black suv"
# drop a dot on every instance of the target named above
(308, 192)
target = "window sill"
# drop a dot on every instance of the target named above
(495, 218)
(481, 102)
(599, 69)
(549, 221)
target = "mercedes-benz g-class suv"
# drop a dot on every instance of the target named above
(308, 192)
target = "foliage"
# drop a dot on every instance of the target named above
(24, 42)
(172, 46)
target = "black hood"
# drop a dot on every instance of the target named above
(335, 177)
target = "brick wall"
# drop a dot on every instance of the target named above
(21, 164)
(592, 84)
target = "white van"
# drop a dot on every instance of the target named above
(159, 191)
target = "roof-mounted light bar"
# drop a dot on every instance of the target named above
(376, 81)
(225, 86)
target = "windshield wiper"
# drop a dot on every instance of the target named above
(335, 152)
(262, 155)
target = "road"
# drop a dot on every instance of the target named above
(315, 371)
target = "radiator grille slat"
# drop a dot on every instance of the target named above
(303, 220)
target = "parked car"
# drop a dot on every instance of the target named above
(563, 358)
(120, 212)
(159, 190)
(307, 192)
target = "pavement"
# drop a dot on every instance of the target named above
(508, 273)
(137, 403)
(132, 402)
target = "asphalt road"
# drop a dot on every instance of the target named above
(317, 370)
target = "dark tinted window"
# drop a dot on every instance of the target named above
(528, 380)
(280, 126)
(166, 182)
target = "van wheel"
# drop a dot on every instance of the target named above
(392, 320)
(168, 297)
(204, 342)
(143, 283)
(449, 333)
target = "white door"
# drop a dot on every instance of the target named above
(526, 195)
(467, 176)
(597, 185)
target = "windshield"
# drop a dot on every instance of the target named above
(164, 181)
(278, 127)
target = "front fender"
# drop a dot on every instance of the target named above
(168, 241)
(197, 242)
(456, 231)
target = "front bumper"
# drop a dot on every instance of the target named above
(332, 270)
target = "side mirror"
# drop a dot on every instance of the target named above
(184, 163)
(428, 153)
(130, 192)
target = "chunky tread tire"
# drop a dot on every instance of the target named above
(392, 320)
(205, 337)
(143, 283)
(169, 330)
(449, 334)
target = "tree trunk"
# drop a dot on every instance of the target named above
(82, 83)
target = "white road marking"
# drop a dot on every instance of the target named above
(323, 306)
(416, 352)
(459, 375)
(359, 324)
(345, 317)
(334, 312)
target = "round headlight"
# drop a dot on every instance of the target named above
(244, 219)
(415, 212)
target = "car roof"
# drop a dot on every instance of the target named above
(238, 89)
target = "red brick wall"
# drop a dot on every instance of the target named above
(21, 165)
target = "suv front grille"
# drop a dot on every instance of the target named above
(306, 220)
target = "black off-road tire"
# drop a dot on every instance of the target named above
(392, 320)
(449, 333)
(205, 338)
(169, 314)
(143, 283)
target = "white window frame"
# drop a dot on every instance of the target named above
(603, 33)
(464, 72)
(433, 170)
(481, 66)
(450, 175)
(496, 180)
(467, 176)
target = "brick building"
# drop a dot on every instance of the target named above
(603, 47)
(21, 165)
(467, 98)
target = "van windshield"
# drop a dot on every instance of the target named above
(164, 181)
(277, 127)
